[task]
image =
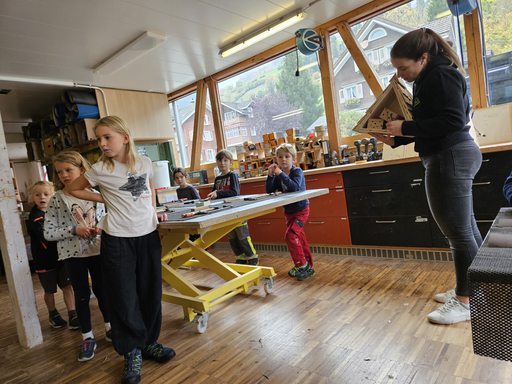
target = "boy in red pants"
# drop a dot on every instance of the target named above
(286, 177)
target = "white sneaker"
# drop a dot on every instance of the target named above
(453, 311)
(444, 297)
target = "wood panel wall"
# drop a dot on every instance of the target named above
(148, 114)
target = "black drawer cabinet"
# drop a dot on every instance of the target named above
(389, 174)
(495, 164)
(398, 231)
(388, 199)
(488, 195)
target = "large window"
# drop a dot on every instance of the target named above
(270, 98)
(498, 43)
(377, 36)
(186, 108)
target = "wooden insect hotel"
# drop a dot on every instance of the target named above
(394, 103)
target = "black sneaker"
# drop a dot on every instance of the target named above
(57, 321)
(87, 351)
(158, 352)
(73, 323)
(296, 271)
(108, 335)
(253, 261)
(241, 261)
(132, 367)
(306, 273)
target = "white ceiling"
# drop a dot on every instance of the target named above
(61, 40)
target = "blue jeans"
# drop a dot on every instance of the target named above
(448, 182)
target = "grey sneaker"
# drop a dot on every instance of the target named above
(453, 311)
(73, 323)
(306, 273)
(445, 296)
(87, 351)
(296, 271)
(57, 321)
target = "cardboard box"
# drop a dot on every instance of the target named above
(265, 138)
(320, 128)
(273, 142)
(290, 131)
(166, 195)
(291, 139)
(389, 115)
(272, 136)
(280, 141)
(49, 149)
(495, 123)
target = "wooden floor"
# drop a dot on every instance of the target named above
(359, 320)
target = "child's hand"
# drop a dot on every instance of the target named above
(96, 231)
(212, 195)
(272, 169)
(83, 231)
(162, 217)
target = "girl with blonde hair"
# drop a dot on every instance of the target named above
(72, 222)
(130, 245)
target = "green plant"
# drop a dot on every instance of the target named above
(351, 103)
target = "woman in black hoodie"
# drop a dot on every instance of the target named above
(449, 154)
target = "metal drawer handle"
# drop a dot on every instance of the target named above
(257, 186)
(486, 183)
(385, 222)
(485, 160)
(263, 223)
(339, 186)
(485, 221)
(375, 173)
(340, 190)
(311, 179)
(382, 190)
(315, 222)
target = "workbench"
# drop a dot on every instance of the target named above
(179, 251)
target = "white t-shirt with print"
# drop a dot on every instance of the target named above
(127, 198)
(84, 213)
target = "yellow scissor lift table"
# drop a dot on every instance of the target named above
(179, 251)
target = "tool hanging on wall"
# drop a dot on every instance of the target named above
(307, 42)
(343, 156)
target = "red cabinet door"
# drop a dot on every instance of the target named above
(325, 180)
(328, 230)
(269, 230)
(331, 205)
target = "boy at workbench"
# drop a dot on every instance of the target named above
(227, 185)
(285, 177)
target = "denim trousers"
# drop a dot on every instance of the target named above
(79, 269)
(133, 281)
(448, 182)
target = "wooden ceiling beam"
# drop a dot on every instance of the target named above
(357, 53)
(329, 90)
(197, 141)
(216, 113)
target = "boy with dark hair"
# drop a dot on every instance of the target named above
(227, 185)
(285, 177)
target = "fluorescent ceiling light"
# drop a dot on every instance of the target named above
(263, 33)
(37, 81)
(131, 52)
